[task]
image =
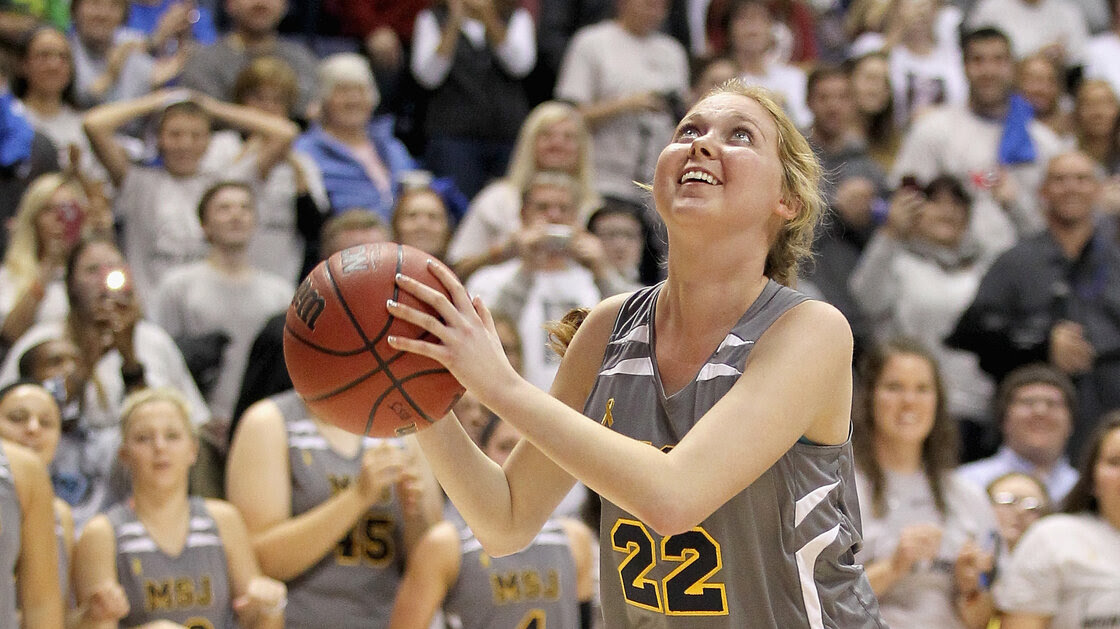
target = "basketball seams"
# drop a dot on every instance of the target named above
(321, 349)
(384, 366)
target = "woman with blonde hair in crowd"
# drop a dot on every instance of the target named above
(553, 137)
(178, 558)
(52, 215)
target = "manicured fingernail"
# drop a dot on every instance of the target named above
(391, 303)
(400, 276)
(430, 262)
(392, 339)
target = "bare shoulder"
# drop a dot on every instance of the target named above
(581, 362)
(261, 415)
(224, 513)
(442, 534)
(811, 324)
(29, 475)
(98, 531)
(578, 532)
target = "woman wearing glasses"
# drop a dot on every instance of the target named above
(1019, 500)
(1065, 571)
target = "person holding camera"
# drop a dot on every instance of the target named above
(558, 266)
(918, 273)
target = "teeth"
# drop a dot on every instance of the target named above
(698, 175)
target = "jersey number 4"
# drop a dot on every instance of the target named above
(687, 590)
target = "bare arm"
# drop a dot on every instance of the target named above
(420, 495)
(259, 484)
(258, 600)
(506, 507)
(779, 398)
(431, 572)
(102, 122)
(583, 548)
(276, 133)
(95, 576)
(39, 599)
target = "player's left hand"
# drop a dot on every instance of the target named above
(469, 346)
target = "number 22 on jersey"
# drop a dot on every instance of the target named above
(686, 590)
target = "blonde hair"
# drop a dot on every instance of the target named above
(158, 394)
(267, 71)
(523, 160)
(22, 258)
(801, 179)
(346, 68)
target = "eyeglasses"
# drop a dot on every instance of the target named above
(1026, 503)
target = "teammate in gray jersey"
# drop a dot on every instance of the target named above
(331, 513)
(549, 583)
(28, 552)
(31, 417)
(178, 558)
(721, 402)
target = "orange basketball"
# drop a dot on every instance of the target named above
(337, 353)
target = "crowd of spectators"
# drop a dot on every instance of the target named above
(171, 169)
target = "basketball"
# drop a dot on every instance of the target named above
(337, 352)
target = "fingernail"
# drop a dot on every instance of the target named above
(392, 338)
(391, 303)
(430, 262)
(400, 276)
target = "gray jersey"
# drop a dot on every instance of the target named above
(536, 585)
(191, 589)
(779, 554)
(354, 585)
(11, 516)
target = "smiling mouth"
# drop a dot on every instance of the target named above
(699, 176)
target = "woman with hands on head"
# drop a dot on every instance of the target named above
(179, 559)
(659, 390)
(331, 513)
(928, 535)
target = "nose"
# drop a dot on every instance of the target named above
(703, 146)
(33, 426)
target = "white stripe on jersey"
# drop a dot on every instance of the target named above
(133, 528)
(733, 340)
(710, 371)
(137, 545)
(195, 540)
(639, 334)
(806, 504)
(630, 367)
(806, 562)
(201, 524)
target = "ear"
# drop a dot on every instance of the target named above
(788, 208)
